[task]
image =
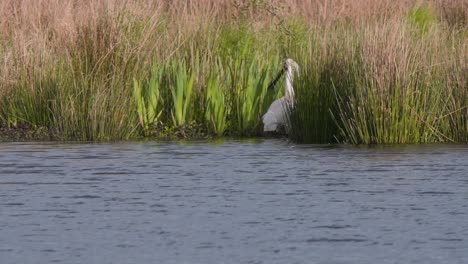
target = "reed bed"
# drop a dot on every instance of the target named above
(371, 71)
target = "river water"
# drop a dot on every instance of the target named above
(264, 201)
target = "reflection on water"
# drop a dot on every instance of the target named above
(257, 201)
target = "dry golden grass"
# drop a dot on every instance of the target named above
(34, 32)
(40, 16)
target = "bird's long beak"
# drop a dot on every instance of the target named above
(271, 86)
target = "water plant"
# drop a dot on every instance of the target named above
(216, 111)
(249, 82)
(148, 101)
(181, 89)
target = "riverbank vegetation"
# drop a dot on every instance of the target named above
(371, 71)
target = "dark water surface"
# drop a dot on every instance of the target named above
(233, 202)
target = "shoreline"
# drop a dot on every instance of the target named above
(42, 134)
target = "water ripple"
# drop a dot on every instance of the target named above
(264, 201)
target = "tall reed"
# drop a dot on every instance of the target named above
(371, 71)
(148, 99)
(216, 112)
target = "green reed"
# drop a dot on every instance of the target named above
(148, 99)
(216, 111)
(250, 83)
(181, 89)
(388, 89)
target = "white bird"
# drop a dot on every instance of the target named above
(277, 116)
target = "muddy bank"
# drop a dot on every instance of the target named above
(25, 133)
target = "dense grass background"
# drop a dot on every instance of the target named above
(371, 71)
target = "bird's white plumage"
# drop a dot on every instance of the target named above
(277, 116)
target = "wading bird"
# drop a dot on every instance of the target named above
(277, 117)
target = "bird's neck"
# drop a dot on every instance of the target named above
(289, 90)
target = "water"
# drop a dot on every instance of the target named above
(233, 202)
